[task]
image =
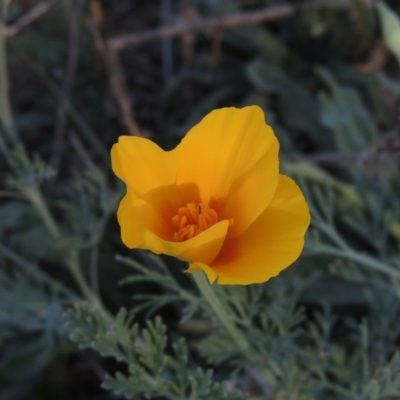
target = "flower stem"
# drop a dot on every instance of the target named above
(332, 233)
(363, 259)
(36, 272)
(374, 263)
(94, 268)
(6, 117)
(223, 314)
(33, 193)
(218, 308)
(73, 263)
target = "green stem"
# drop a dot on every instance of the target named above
(374, 263)
(342, 391)
(332, 233)
(223, 314)
(34, 195)
(34, 271)
(94, 267)
(73, 113)
(362, 259)
(6, 117)
(73, 264)
(3, 146)
(11, 195)
(218, 308)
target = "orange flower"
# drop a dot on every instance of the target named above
(216, 201)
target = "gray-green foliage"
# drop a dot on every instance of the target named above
(344, 113)
(385, 384)
(325, 329)
(32, 329)
(294, 101)
(151, 370)
(391, 28)
(298, 356)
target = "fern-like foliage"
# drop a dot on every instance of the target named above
(296, 353)
(385, 384)
(88, 205)
(153, 370)
(32, 331)
(27, 173)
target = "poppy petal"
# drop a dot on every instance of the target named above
(228, 166)
(273, 242)
(134, 216)
(251, 194)
(198, 267)
(219, 153)
(141, 164)
(204, 247)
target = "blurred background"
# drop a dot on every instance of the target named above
(77, 74)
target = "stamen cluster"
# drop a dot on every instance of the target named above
(192, 219)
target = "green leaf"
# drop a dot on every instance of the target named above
(298, 108)
(152, 370)
(386, 382)
(32, 328)
(345, 114)
(391, 28)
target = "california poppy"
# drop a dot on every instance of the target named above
(216, 201)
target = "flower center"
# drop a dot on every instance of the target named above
(193, 219)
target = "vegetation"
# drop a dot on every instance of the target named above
(81, 316)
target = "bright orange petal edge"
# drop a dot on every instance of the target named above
(216, 201)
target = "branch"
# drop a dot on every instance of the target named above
(76, 9)
(306, 375)
(115, 74)
(166, 44)
(387, 145)
(29, 17)
(269, 14)
(324, 158)
(120, 92)
(111, 48)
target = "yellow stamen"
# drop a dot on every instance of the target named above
(193, 219)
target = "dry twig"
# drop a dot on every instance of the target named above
(188, 16)
(166, 44)
(216, 43)
(112, 47)
(388, 145)
(324, 158)
(189, 13)
(113, 67)
(120, 92)
(307, 374)
(225, 21)
(80, 148)
(29, 17)
(76, 8)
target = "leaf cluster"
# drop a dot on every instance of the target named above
(325, 329)
(151, 369)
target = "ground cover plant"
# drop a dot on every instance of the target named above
(82, 316)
